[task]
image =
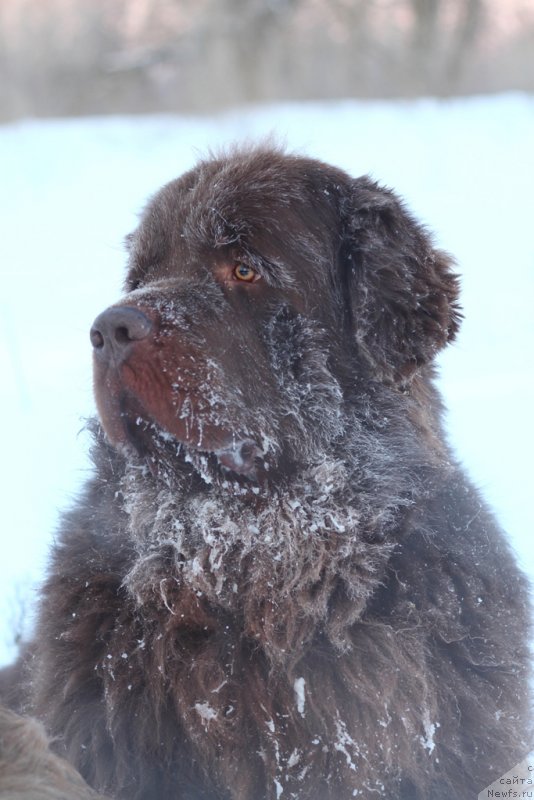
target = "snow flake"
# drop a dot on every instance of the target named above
(206, 712)
(430, 729)
(299, 688)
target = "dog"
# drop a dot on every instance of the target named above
(29, 770)
(279, 582)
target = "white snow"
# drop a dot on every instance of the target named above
(70, 191)
(430, 731)
(205, 711)
(343, 741)
(299, 687)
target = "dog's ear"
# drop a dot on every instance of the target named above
(401, 291)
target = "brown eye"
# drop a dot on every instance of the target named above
(244, 273)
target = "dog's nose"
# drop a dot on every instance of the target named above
(117, 328)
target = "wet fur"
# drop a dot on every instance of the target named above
(344, 619)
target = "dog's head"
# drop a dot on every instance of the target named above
(263, 290)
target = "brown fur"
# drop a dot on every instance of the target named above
(29, 771)
(279, 582)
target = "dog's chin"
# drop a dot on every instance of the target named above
(228, 458)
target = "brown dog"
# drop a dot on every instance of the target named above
(279, 583)
(29, 771)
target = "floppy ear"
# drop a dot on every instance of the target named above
(401, 291)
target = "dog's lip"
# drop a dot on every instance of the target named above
(240, 457)
(238, 453)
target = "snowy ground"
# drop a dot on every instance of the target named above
(70, 190)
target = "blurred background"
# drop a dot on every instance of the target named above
(103, 101)
(73, 57)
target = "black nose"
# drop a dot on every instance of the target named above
(115, 330)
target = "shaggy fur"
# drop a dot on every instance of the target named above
(29, 771)
(279, 583)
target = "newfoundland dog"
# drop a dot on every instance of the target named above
(279, 582)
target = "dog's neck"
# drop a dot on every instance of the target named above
(328, 530)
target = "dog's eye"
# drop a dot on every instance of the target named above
(244, 273)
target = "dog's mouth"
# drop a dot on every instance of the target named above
(132, 429)
(175, 415)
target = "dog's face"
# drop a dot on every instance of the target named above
(262, 289)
